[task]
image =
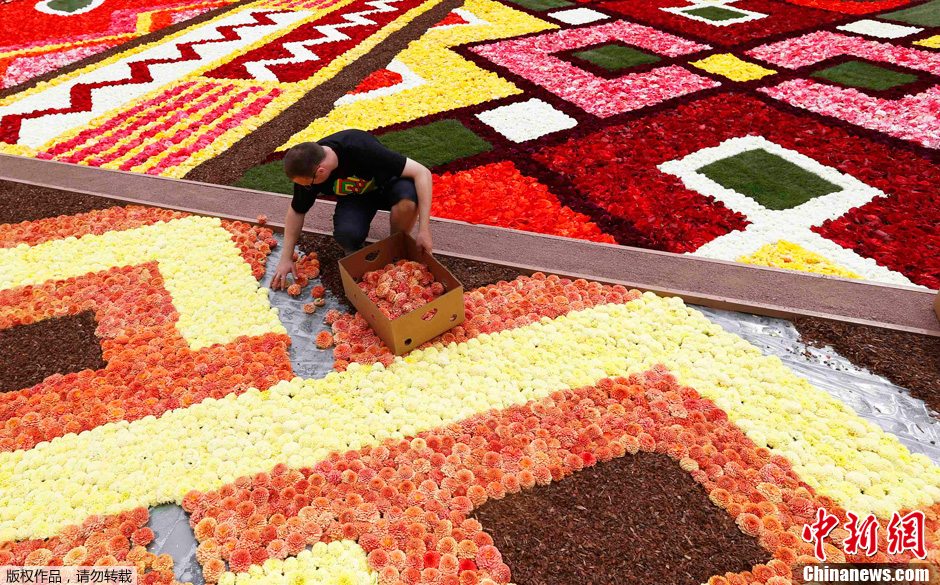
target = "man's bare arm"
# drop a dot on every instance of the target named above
(424, 186)
(293, 224)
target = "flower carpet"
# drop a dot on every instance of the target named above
(410, 469)
(797, 134)
(43, 37)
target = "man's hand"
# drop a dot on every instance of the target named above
(424, 241)
(284, 267)
(424, 184)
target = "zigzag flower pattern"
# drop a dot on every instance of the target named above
(78, 100)
(290, 58)
(35, 42)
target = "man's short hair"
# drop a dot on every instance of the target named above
(301, 159)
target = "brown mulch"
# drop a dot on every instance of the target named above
(909, 360)
(59, 345)
(636, 519)
(22, 202)
(329, 253)
(472, 273)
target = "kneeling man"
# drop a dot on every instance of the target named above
(365, 177)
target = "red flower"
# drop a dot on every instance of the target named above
(240, 560)
(378, 558)
(432, 559)
(467, 565)
(512, 200)
(377, 80)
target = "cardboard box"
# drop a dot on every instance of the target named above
(410, 330)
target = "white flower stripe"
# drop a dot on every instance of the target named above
(884, 30)
(527, 120)
(770, 226)
(409, 80)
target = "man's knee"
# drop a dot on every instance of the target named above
(405, 207)
(350, 237)
(405, 194)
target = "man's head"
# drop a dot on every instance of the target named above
(303, 164)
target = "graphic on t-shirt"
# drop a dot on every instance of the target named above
(352, 186)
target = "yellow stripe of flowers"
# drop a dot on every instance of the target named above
(790, 256)
(69, 45)
(19, 150)
(212, 287)
(931, 42)
(341, 562)
(144, 20)
(149, 461)
(293, 92)
(441, 69)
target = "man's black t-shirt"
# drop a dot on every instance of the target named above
(365, 165)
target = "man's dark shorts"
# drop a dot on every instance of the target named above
(354, 213)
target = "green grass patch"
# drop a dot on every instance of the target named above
(267, 177)
(927, 15)
(715, 13)
(436, 143)
(614, 57)
(772, 181)
(865, 75)
(68, 5)
(542, 5)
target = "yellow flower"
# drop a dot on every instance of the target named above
(732, 67)
(790, 256)
(449, 80)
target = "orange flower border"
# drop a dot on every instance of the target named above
(407, 502)
(114, 540)
(150, 368)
